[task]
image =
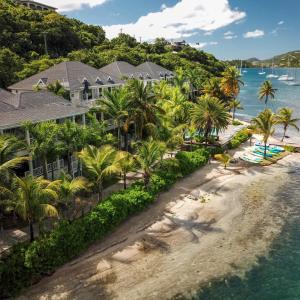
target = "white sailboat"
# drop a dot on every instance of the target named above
(286, 77)
(262, 71)
(293, 82)
(241, 68)
(272, 75)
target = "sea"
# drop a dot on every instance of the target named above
(285, 96)
(276, 276)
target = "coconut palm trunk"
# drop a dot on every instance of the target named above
(119, 135)
(31, 231)
(265, 151)
(45, 167)
(284, 132)
(146, 178)
(125, 180)
(69, 162)
(100, 191)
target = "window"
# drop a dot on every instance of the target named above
(98, 81)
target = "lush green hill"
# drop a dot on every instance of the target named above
(291, 59)
(23, 51)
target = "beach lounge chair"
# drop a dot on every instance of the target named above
(250, 158)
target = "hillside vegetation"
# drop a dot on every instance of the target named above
(23, 51)
(289, 59)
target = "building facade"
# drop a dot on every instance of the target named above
(35, 5)
(36, 107)
(85, 83)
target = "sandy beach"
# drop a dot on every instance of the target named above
(210, 224)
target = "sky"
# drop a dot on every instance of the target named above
(229, 29)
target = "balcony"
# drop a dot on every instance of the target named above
(54, 170)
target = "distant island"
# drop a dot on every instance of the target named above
(289, 59)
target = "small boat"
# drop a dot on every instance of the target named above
(272, 75)
(286, 78)
(262, 71)
(293, 83)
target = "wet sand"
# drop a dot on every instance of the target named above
(212, 223)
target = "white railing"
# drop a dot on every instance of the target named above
(52, 167)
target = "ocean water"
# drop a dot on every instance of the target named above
(286, 96)
(276, 277)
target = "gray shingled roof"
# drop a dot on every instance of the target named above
(35, 107)
(122, 69)
(71, 74)
(155, 71)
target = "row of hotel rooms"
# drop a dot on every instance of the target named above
(22, 102)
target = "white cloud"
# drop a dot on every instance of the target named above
(208, 33)
(228, 33)
(202, 45)
(198, 45)
(281, 23)
(230, 37)
(184, 19)
(69, 5)
(254, 34)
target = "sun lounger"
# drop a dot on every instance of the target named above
(251, 159)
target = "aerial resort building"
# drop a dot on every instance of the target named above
(29, 100)
(85, 83)
(35, 5)
(148, 72)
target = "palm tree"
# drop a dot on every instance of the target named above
(234, 105)
(230, 82)
(99, 163)
(32, 199)
(264, 124)
(223, 158)
(125, 163)
(212, 88)
(285, 118)
(209, 113)
(176, 106)
(8, 161)
(148, 154)
(117, 106)
(9, 145)
(69, 187)
(144, 103)
(266, 91)
(71, 138)
(44, 141)
(96, 133)
(181, 82)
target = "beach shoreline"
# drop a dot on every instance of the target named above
(210, 224)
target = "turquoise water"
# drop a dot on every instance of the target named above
(285, 96)
(276, 277)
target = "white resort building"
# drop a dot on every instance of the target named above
(29, 100)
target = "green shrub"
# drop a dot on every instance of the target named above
(241, 137)
(237, 123)
(289, 148)
(28, 262)
(190, 161)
